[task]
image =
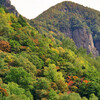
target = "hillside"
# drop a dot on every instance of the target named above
(35, 66)
(72, 20)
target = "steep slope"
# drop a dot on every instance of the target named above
(75, 21)
(10, 8)
(34, 66)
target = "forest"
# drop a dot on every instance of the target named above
(35, 66)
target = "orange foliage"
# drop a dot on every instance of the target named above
(75, 77)
(69, 77)
(23, 48)
(85, 81)
(9, 23)
(57, 67)
(53, 85)
(4, 91)
(36, 41)
(5, 46)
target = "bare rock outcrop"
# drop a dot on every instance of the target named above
(83, 38)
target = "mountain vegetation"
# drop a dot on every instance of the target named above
(35, 66)
(66, 19)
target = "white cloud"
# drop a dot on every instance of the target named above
(32, 8)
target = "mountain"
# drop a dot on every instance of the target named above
(10, 8)
(80, 23)
(48, 66)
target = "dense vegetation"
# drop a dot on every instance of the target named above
(36, 66)
(69, 16)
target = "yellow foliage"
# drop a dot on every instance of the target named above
(54, 49)
(75, 87)
(47, 60)
(61, 50)
(9, 58)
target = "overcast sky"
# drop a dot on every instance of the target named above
(32, 8)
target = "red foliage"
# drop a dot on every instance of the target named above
(3, 91)
(70, 83)
(5, 46)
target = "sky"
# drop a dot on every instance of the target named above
(32, 8)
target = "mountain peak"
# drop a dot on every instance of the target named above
(80, 23)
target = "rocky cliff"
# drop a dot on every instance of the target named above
(10, 8)
(83, 38)
(80, 23)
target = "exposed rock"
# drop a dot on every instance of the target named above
(9, 7)
(83, 38)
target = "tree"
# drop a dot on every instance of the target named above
(4, 26)
(15, 89)
(19, 76)
(51, 73)
(5, 46)
(53, 95)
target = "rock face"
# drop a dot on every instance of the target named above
(83, 38)
(9, 7)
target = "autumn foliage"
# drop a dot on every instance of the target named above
(5, 46)
(3, 91)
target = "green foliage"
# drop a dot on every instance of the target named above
(48, 66)
(93, 97)
(71, 96)
(42, 83)
(15, 46)
(20, 93)
(51, 73)
(36, 61)
(69, 44)
(19, 76)
(89, 89)
(75, 23)
(53, 95)
(22, 21)
(3, 24)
